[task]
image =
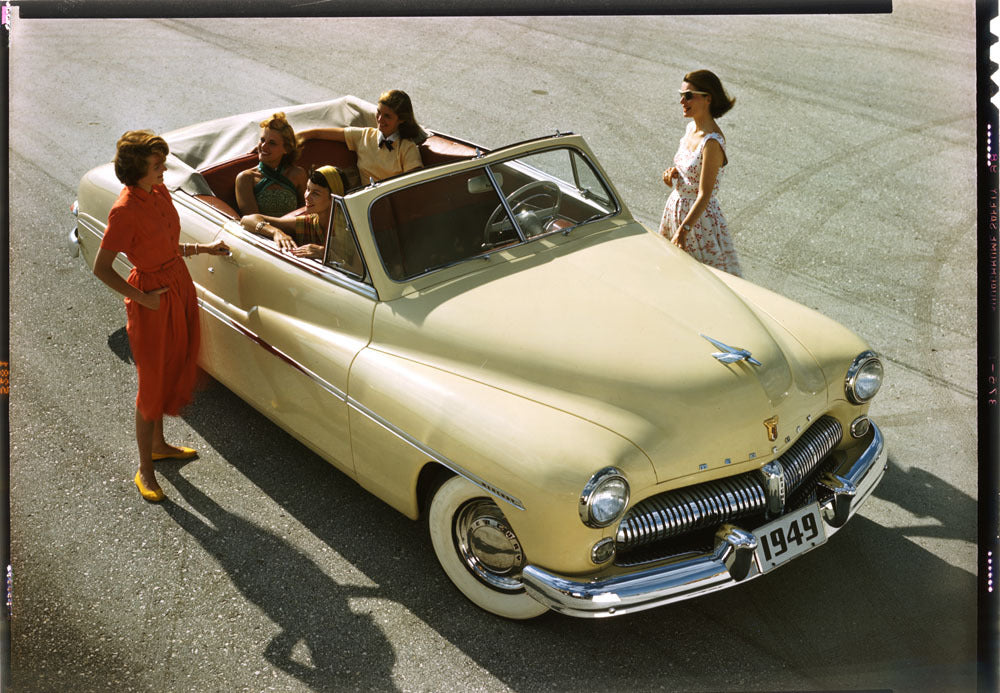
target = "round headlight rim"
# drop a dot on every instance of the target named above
(596, 481)
(857, 365)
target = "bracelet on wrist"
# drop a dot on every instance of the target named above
(260, 226)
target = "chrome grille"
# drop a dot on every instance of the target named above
(684, 510)
(807, 451)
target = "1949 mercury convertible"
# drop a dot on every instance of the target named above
(589, 420)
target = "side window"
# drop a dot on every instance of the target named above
(342, 252)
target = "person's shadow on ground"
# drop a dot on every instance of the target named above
(293, 591)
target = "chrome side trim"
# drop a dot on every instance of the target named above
(84, 221)
(434, 455)
(271, 349)
(728, 564)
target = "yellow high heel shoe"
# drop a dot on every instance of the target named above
(184, 454)
(151, 496)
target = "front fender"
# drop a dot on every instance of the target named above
(532, 458)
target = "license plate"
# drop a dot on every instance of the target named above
(789, 536)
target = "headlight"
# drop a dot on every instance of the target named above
(604, 498)
(864, 377)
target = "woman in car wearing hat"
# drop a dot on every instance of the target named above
(304, 235)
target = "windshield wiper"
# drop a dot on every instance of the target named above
(589, 219)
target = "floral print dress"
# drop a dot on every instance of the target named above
(708, 240)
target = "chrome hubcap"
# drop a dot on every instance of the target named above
(488, 546)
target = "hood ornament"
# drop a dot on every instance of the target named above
(731, 354)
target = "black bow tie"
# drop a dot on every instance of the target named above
(385, 143)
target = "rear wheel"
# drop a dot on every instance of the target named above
(478, 550)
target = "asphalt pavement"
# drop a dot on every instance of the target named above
(850, 188)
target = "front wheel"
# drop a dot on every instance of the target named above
(478, 550)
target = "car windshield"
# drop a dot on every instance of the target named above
(459, 216)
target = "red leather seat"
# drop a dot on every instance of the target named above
(221, 178)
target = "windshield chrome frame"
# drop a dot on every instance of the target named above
(366, 277)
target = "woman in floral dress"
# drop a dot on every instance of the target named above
(692, 219)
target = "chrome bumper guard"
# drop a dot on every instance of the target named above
(731, 562)
(74, 243)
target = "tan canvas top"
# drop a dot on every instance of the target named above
(199, 146)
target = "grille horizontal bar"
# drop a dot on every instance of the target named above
(684, 510)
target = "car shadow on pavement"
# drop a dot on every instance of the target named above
(820, 622)
(309, 607)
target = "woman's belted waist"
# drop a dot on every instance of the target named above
(159, 268)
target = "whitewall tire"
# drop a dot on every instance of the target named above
(478, 550)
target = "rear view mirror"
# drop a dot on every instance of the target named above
(481, 184)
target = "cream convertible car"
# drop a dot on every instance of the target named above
(589, 420)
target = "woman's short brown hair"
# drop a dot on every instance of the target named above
(133, 150)
(704, 80)
(293, 147)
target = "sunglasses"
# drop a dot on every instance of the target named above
(688, 95)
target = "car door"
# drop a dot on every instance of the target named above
(282, 332)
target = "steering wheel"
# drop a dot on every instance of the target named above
(530, 218)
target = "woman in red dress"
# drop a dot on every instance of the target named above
(160, 300)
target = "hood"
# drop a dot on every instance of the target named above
(609, 328)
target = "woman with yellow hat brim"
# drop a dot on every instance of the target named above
(304, 235)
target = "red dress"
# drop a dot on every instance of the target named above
(146, 227)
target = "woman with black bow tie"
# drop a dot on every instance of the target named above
(389, 149)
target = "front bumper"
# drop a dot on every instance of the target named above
(74, 237)
(731, 562)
